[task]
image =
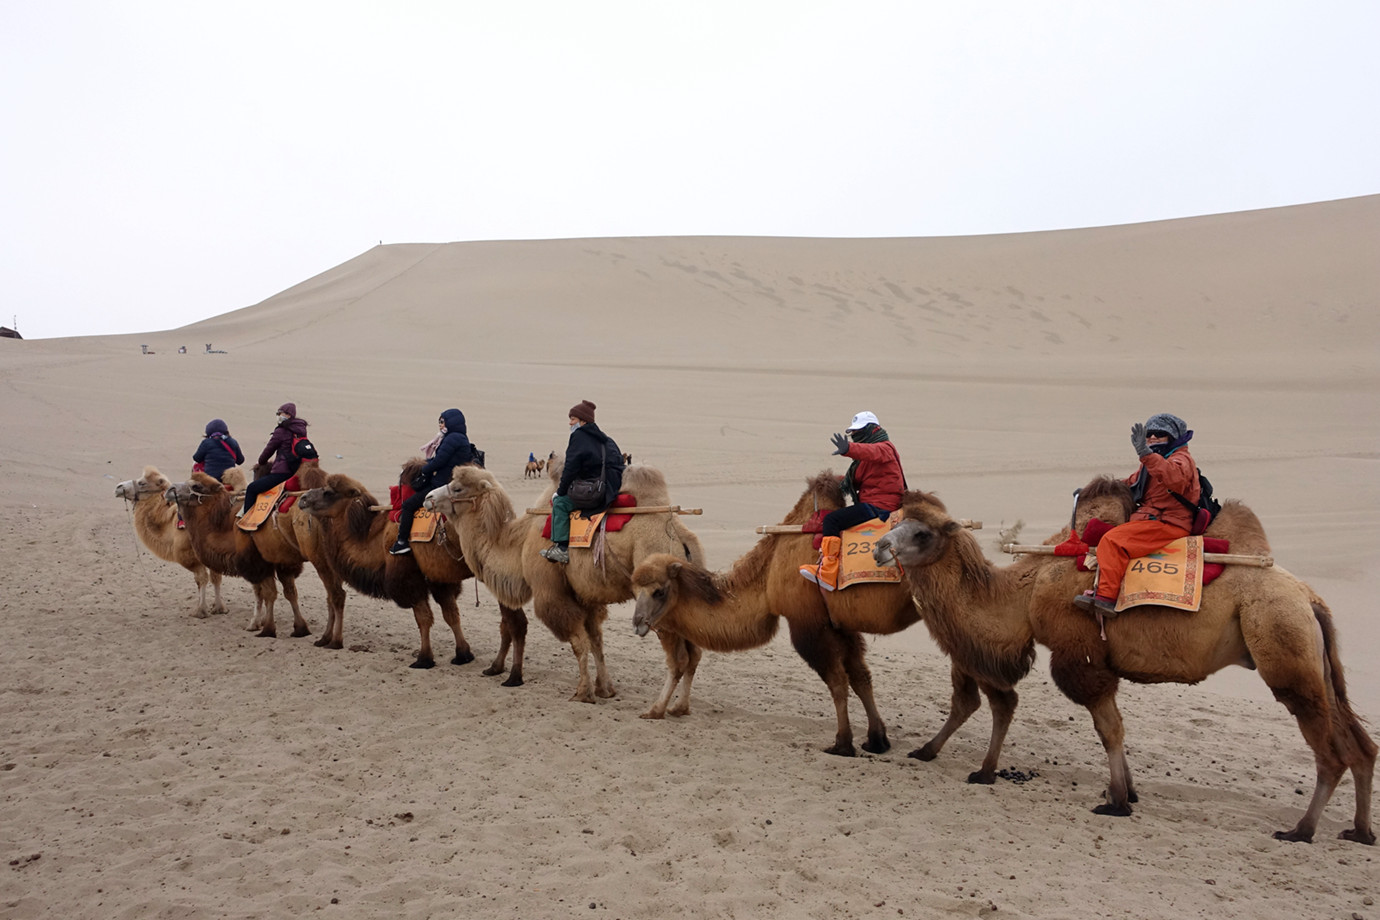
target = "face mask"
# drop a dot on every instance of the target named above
(573, 427)
(282, 418)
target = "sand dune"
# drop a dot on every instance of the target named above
(160, 765)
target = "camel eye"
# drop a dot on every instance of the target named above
(659, 593)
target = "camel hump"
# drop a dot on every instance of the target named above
(647, 485)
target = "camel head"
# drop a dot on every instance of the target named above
(473, 490)
(922, 537)
(822, 493)
(336, 496)
(235, 480)
(661, 581)
(1104, 498)
(151, 483)
(196, 490)
(410, 469)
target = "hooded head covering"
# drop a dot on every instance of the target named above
(217, 426)
(584, 411)
(289, 409)
(455, 420)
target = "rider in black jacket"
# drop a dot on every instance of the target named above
(589, 455)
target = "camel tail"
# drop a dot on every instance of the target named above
(1349, 725)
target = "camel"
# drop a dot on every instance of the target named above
(356, 539)
(534, 468)
(156, 524)
(987, 619)
(504, 548)
(280, 547)
(739, 610)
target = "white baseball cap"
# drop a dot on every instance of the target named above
(862, 420)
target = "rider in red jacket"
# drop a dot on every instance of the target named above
(874, 481)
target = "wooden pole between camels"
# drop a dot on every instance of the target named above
(800, 528)
(636, 509)
(1263, 562)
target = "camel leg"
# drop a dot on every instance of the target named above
(579, 647)
(603, 683)
(203, 578)
(265, 596)
(860, 679)
(963, 702)
(677, 657)
(450, 612)
(299, 622)
(818, 645)
(424, 617)
(512, 630)
(1107, 721)
(693, 654)
(219, 605)
(335, 616)
(1363, 775)
(1003, 703)
(1314, 721)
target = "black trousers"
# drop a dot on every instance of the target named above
(409, 510)
(262, 485)
(836, 522)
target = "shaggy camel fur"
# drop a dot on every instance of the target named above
(1264, 619)
(504, 548)
(281, 546)
(739, 609)
(155, 521)
(356, 540)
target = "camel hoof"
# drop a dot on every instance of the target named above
(1294, 836)
(607, 693)
(1131, 796)
(841, 750)
(268, 632)
(491, 670)
(586, 698)
(1357, 836)
(653, 715)
(924, 753)
(300, 631)
(1115, 811)
(514, 680)
(464, 657)
(335, 646)
(423, 663)
(201, 614)
(876, 746)
(679, 711)
(322, 642)
(982, 778)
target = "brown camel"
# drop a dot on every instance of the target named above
(738, 610)
(534, 468)
(504, 548)
(280, 546)
(155, 522)
(356, 539)
(1262, 618)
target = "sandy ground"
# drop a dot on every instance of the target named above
(153, 764)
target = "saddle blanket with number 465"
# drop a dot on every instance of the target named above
(1171, 577)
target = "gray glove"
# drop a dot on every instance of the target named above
(840, 444)
(1138, 440)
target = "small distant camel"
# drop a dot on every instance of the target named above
(535, 467)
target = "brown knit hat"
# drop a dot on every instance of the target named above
(584, 411)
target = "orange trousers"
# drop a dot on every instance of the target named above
(1125, 542)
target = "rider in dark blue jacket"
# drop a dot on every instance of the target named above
(218, 451)
(454, 450)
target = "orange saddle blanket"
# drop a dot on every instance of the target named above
(268, 502)
(424, 523)
(588, 525)
(856, 566)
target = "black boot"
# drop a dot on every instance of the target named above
(399, 547)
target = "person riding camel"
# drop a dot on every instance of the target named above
(454, 449)
(279, 447)
(875, 482)
(591, 456)
(218, 451)
(1165, 487)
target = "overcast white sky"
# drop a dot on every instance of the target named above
(165, 162)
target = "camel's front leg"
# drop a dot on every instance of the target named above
(579, 647)
(963, 702)
(299, 622)
(203, 579)
(265, 595)
(219, 605)
(512, 630)
(1003, 703)
(450, 612)
(1107, 721)
(424, 617)
(603, 683)
(693, 654)
(674, 649)
(331, 634)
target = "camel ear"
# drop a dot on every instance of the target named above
(951, 528)
(673, 570)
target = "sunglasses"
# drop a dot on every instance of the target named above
(1157, 434)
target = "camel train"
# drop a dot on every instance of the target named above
(986, 619)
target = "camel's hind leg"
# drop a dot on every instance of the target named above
(512, 631)
(332, 635)
(424, 617)
(299, 622)
(818, 644)
(962, 704)
(450, 612)
(682, 658)
(579, 647)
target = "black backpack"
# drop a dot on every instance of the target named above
(303, 449)
(1206, 507)
(478, 456)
